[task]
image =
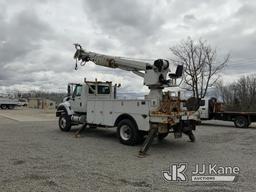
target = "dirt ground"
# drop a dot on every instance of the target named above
(36, 156)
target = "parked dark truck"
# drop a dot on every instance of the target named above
(210, 108)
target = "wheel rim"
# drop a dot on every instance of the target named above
(4, 106)
(125, 132)
(63, 122)
(240, 122)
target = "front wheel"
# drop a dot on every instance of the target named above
(241, 122)
(127, 132)
(65, 123)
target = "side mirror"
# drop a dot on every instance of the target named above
(69, 91)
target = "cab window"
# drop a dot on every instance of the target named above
(78, 91)
(202, 103)
(103, 89)
(92, 90)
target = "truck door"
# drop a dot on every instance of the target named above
(76, 101)
(203, 109)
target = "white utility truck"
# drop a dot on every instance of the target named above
(210, 109)
(96, 104)
(9, 103)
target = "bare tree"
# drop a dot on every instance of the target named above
(200, 66)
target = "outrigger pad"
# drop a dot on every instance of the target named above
(147, 142)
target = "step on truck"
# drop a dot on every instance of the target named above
(95, 103)
(210, 109)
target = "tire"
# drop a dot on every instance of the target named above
(65, 123)
(127, 132)
(241, 122)
(192, 137)
(161, 136)
(3, 106)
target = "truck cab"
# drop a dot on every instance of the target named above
(204, 109)
(79, 94)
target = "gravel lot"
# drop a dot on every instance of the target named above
(36, 156)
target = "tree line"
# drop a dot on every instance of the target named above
(239, 95)
(57, 97)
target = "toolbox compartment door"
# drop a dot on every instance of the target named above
(100, 112)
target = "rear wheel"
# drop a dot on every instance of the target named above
(65, 122)
(127, 132)
(241, 122)
(3, 106)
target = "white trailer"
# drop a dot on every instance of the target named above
(95, 103)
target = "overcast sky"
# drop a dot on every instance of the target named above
(36, 37)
